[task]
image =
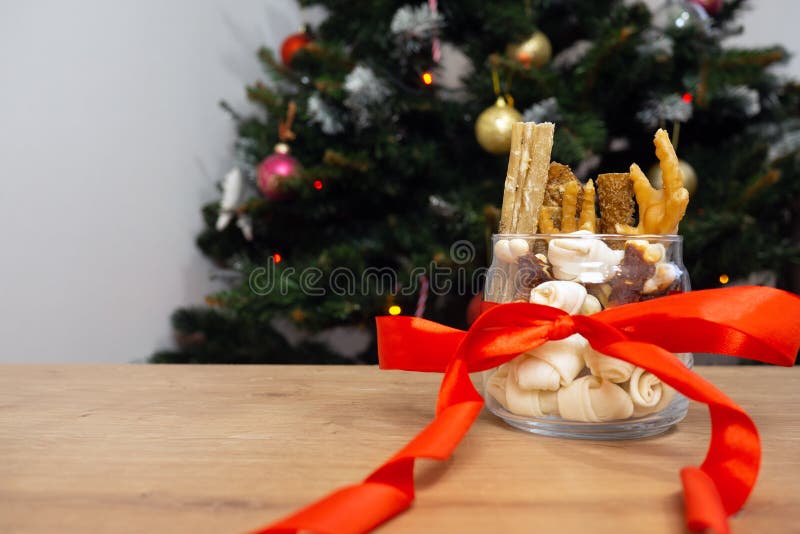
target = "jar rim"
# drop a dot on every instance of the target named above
(671, 238)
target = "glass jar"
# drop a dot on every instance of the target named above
(565, 388)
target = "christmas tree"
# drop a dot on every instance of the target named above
(363, 162)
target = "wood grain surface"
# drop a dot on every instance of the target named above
(226, 449)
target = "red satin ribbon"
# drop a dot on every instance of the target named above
(751, 322)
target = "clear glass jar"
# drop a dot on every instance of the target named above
(565, 388)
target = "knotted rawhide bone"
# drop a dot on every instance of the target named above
(757, 323)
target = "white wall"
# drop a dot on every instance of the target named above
(110, 141)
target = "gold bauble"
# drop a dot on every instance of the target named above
(689, 177)
(493, 127)
(535, 51)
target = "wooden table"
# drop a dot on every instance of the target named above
(226, 449)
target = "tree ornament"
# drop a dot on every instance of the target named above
(493, 127)
(712, 7)
(245, 224)
(275, 170)
(681, 15)
(366, 95)
(687, 171)
(231, 192)
(292, 44)
(535, 51)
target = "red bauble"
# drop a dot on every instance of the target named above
(276, 169)
(474, 308)
(712, 7)
(292, 44)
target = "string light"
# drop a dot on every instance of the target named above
(277, 258)
(317, 184)
(687, 97)
(394, 309)
(427, 78)
(724, 279)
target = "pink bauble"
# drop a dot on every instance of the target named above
(273, 171)
(712, 7)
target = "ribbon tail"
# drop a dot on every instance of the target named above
(726, 478)
(704, 509)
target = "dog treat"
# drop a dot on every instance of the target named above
(527, 177)
(608, 368)
(558, 176)
(569, 207)
(660, 210)
(552, 365)
(509, 250)
(664, 277)
(538, 147)
(507, 211)
(634, 270)
(548, 216)
(562, 218)
(582, 274)
(590, 398)
(648, 393)
(567, 296)
(588, 217)
(583, 260)
(533, 270)
(615, 193)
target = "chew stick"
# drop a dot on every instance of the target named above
(512, 180)
(569, 207)
(536, 161)
(524, 163)
(588, 218)
(548, 216)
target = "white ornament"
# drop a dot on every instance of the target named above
(566, 296)
(245, 224)
(364, 92)
(582, 260)
(323, 114)
(231, 192)
(415, 23)
(590, 398)
(509, 250)
(543, 111)
(569, 57)
(670, 108)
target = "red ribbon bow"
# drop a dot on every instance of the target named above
(751, 322)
